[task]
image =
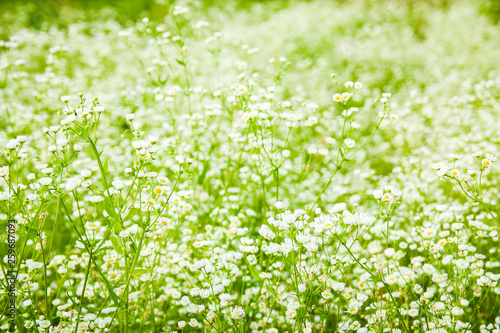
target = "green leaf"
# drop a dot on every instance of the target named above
(253, 272)
(105, 165)
(116, 225)
(139, 271)
(33, 232)
(133, 247)
(109, 208)
(180, 62)
(110, 288)
(91, 309)
(116, 244)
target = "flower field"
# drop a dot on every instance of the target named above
(268, 166)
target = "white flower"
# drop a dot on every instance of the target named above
(312, 106)
(68, 120)
(45, 181)
(96, 198)
(312, 121)
(72, 184)
(291, 313)
(12, 144)
(199, 264)
(457, 311)
(340, 207)
(413, 312)
(279, 205)
(462, 264)
(429, 269)
(326, 294)
(350, 143)
(266, 232)
(338, 286)
(118, 184)
(237, 313)
(4, 171)
(109, 310)
(185, 301)
(438, 306)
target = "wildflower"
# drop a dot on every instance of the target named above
(352, 309)
(72, 184)
(387, 197)
(340, 207)
(12, 144)
(457, 311)
(237, 313)
(350, 143)
(185, 301)
(438, 306)
(338, 286)
(486, 163)
(96, 198)
(193, 322)
(279, 205)
(266, 232)
(291, 313)
(240, 90)
(413, 312)
(45, 181)
(158, 190)
(462, 264)
(312, 120)
(326, 294)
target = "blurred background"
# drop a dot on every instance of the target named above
(401, 43)
(47, 10)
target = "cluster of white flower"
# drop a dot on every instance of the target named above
(230, 185)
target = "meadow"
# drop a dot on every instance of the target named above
(250, 166)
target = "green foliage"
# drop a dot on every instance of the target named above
(196, 167)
